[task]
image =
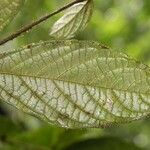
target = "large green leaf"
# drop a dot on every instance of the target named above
(8, 9)
(75, 19)
(75, 84)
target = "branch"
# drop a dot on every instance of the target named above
(35, 23)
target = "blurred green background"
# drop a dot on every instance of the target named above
(121, 25)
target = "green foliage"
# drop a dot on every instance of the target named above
(49, 136)
(104, 143)
(8, 9)
(8, 127)
(89, 85)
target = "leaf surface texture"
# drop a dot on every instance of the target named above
(75, 84)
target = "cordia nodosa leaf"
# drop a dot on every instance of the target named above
(75, 84)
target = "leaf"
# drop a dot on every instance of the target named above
(74, 20)
(71, 136)
(104, 143)
(49, 137)
(75, 84)
(8, 9)
(44, 138)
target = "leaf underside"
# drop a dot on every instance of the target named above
(8, 9)
(75, 84)
(75, 19)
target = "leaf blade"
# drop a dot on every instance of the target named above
(75, 19)
(75, 84)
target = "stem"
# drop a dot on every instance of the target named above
(35, 23)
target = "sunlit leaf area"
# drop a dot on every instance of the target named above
(91, 92)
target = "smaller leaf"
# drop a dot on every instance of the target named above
(8, 9)
(75, 19)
